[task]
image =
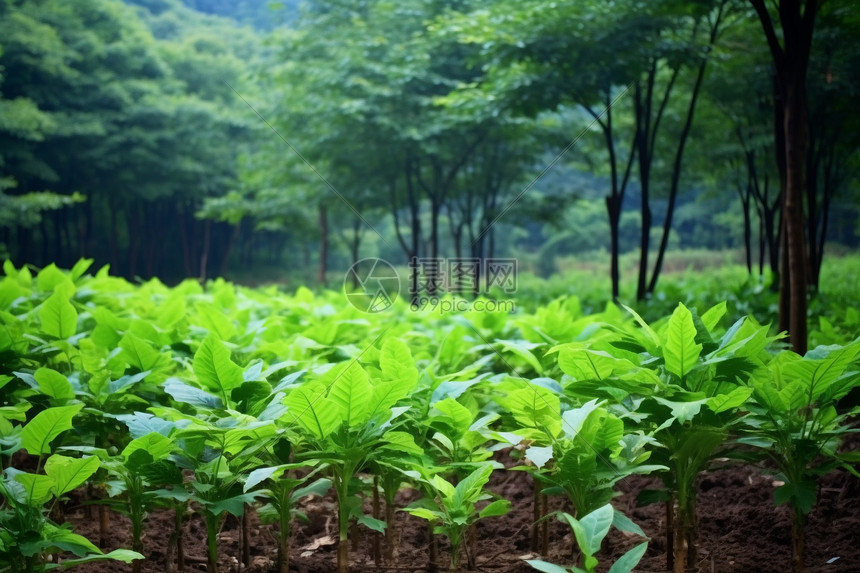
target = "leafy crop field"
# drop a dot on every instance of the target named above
(234, 408)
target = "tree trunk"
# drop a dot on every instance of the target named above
(204, 253)
(795, 139)
(791, 62)
(231, 243)
(681, 145)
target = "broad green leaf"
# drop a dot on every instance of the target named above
(36, 436)
(496, 508)
(54, 384)
(652, 338)
(172, 311)
(683, 411)
(215, 370)
(319, 488)
(68, 541)
(831, 367)
(122, 383)
(593, 528)
(308, 406)
(629, 560)
(457, 416)
(124, 555)
(49, 277)
(681, 351)
(58, 316)
(401, 441)
(575, 418)
(154, 443)
(187, 394)
(138, 352)
(624, 523)
(536, 407)
(546, 566)
(447, 490)
(470, 488)
(734, 399)
(524, 349)
(212, 319)
(585, 364)
(233, 505)
(68, 473)
(351, 394)
(141, 423)
(38, 487)
(79, 268)
(372, 523)
(396, 362)
(260, 475)
(424, 513)
(386, 393)
(712, 316)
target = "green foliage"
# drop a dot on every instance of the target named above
(266, 397)
(28, 536)
(589, 532)
(795, 421)
(451, 508)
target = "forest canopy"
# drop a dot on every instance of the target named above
(205, 137)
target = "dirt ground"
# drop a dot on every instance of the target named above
(741, 531)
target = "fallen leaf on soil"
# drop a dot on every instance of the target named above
(309, 549)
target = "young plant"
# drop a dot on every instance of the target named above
(345, 421)
(220, 454)
(141, 460)
(796, 424)
(589, 532)
(685, 385)
(451, 508)
(28, 535)
(282, 492)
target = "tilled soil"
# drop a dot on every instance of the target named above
(740, 531)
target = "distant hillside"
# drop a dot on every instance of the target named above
(264, 14)
(261, 14)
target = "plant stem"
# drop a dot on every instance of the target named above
(179, 514)
(390, 531)
(432, 549)
(377, 555)
(135, 510)
(284, 508)
(342, 489)
(670, 533)
(798, 541)
(536, 515)
(246, 537)
(104, 526)
(544, 526)
(211, 542)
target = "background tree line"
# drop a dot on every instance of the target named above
(203, 137)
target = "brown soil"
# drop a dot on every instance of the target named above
(741, 531)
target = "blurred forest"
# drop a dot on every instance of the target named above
(254, 138)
